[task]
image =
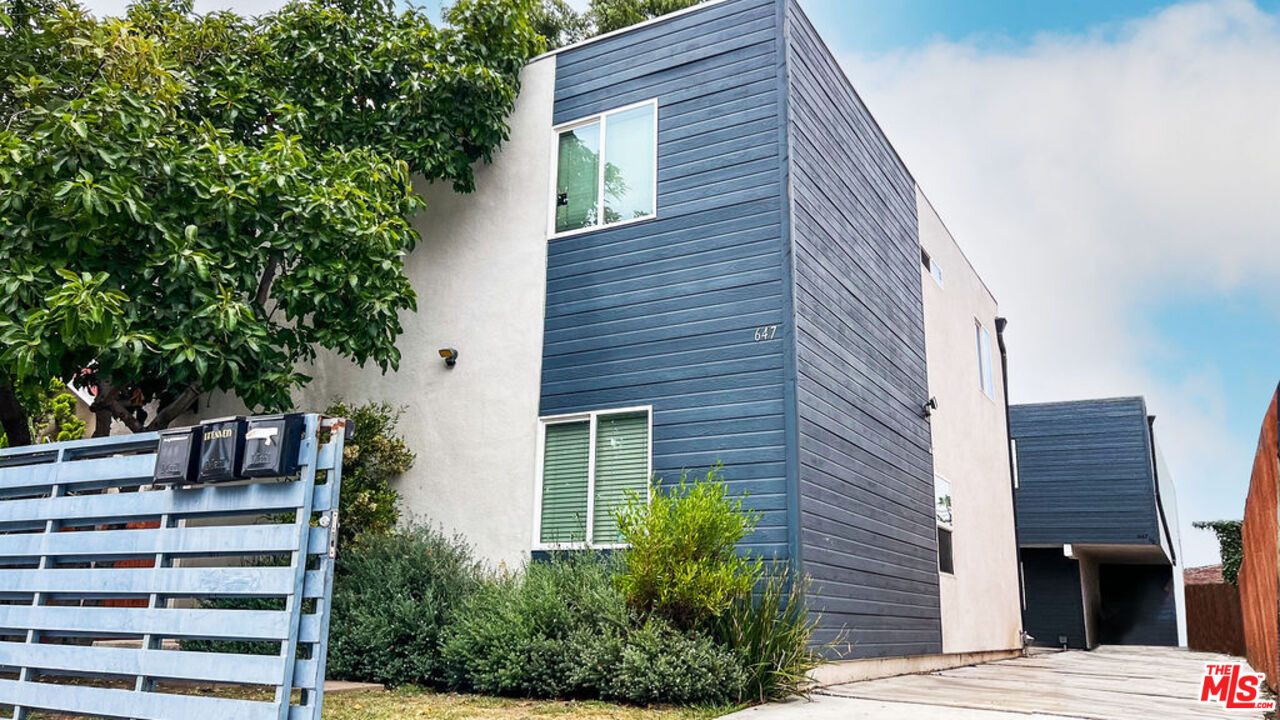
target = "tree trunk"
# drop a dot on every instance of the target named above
(13, 417)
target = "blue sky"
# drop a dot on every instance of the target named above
(1110, 168)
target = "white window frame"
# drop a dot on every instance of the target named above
(931, 266)
(944, 525)
(592, 417)
(559, 130)
(985, 365)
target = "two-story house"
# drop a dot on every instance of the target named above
(698, 247)
(1097, 526)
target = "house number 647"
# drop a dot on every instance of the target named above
(766, 332)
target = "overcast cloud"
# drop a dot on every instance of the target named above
(1095, 178)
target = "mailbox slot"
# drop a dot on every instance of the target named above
(221, 449)
(177, 456)
(272, 444)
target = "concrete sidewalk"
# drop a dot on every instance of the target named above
(1110, 683)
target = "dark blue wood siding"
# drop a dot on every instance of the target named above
(663, 312)
(1055, 606)
(1085, 473)
(866, 516)
(1138, 605)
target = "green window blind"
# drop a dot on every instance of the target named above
(622, 468)
(564, 482)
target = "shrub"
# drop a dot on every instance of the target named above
(771, 631)
(683, 564)
(370, 462)
(658, 664)
(393, 597)
(544, 633)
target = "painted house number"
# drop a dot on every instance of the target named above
(766, 332)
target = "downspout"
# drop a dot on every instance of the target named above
(1001, 324)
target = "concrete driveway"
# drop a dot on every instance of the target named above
(1110, 683)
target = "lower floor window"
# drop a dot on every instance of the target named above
(946, 563)
(591, 465)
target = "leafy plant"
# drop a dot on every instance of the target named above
(191, 203)
(394, 598)
(370, 462)
(561, 25)
(50, 413)
(682, 563)
(659, 664)
(772, 631)
(539, 633)
(1230, 543)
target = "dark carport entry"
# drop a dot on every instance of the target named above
(1137, 605)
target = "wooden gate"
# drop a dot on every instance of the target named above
(237, 592)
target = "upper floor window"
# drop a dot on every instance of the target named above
(607, 169)
(591, 465)
(985, 374)
(931, 266)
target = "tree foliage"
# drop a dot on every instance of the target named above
(194, 203)
(1231, 544)
(561, 25)
(53, 414)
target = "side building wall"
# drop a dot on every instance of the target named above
(866, 517)
(981, 606)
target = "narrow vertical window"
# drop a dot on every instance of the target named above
(945, 521)
(985, 375)
(606, 169)
(946, 554)
(578, 178)
(565, 477)
(593, 464)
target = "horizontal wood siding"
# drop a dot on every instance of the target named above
(866, 513)
(1085, 473)
(663, 312)
(1055, 606)
(1138, 605)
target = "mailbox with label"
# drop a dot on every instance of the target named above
(221, 449)
(271, 446)
(177, 456)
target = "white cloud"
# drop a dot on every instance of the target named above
(1093, 177)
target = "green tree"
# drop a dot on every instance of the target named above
(52, 416)
(561, 25)
(1231, 544)
(198, 203)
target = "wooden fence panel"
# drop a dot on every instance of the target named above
(90, 551)
(1214, 622)
(1260, 570)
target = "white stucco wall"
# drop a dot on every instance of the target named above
(480, 275)
(980, 602)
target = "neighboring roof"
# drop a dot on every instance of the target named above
(1206, 575)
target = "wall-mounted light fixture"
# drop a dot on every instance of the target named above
(450, 356)
(929, 407)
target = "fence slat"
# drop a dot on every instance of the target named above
(235, 540)
(74, 473)
(166, 664)
(130, 703)
(206, 500)
(98, 621)
(182, 582)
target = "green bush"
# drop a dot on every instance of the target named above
(1230, 544)
(659, 664)
(682, 563)
(540, 633)
(393, 597)
(771, 630)
(370, 462)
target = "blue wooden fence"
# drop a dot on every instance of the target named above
(103, 579)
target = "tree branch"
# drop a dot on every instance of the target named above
(13, 417)
(261, 297)
(173, 410)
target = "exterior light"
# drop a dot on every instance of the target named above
(450, 356)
